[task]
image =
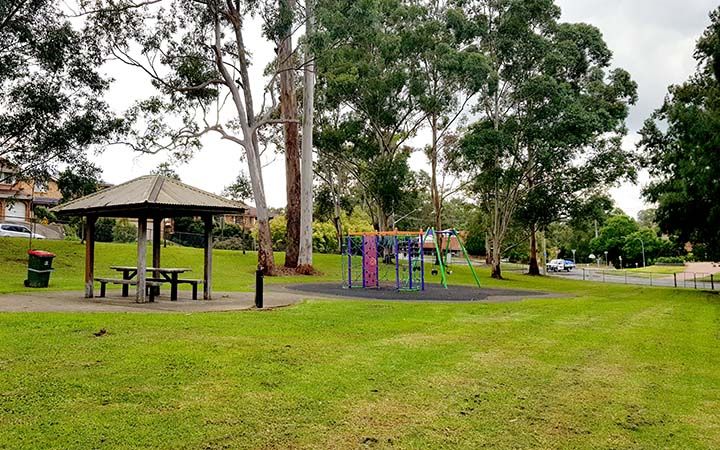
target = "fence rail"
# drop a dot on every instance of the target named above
(687, 280)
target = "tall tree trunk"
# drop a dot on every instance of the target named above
(246, 118)
(534, 267)
(496, 255)
(306, 197)
(288, 111)
(488, 250)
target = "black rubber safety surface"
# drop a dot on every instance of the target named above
(432, 292)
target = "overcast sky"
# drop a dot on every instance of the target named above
(652, 39)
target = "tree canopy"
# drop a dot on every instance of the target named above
(51, 91)
(681, 143)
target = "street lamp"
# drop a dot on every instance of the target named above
(642, 245)
(606, 260)
(573, 250)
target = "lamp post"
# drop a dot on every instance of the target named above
(606, 260)
(574, 250)
(642, 245)
(621, 266)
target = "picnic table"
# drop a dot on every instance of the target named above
(161, 274)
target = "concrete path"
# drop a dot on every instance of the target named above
(73, 301)
(275, 296)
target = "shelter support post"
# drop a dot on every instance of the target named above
(89, 256)
(157, 224)
(207, 272)
(141, 260)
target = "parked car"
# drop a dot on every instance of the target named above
(569, 265)
(17, 230)
(556, 265)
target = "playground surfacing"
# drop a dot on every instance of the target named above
(432, 292)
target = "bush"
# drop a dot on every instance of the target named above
(104, 229)
(670, 260)
(124, 231)
(44, 215)
(71, 232)
(233, 243)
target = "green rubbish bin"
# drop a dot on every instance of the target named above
(39, 268)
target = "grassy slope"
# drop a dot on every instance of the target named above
(611, 367)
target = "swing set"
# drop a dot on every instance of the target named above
(396, 259)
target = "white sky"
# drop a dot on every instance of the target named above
(652, 39)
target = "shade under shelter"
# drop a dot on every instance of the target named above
(151, 197)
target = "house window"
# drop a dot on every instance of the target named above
(7, 177)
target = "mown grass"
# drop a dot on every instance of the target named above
(614, 367)
(603, 366)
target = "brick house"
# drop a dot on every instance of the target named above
(18, 198)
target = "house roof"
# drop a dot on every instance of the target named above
(150, 195)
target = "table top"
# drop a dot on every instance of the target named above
(154, 269)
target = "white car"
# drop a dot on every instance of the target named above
(556, 265)
(17, 230)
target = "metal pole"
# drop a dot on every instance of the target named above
(409, 253)
(695, 279)
(422, 263)
(583, 274)
(259, 287)
(349, 251)
(650, 278)
(675, 279)
(362, 267)
(712, 283)
(397, 263)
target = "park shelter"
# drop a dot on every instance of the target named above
(151, 197)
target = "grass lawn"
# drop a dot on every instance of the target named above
(609, 366)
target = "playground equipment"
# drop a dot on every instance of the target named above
(445, 236)
(396, 259)
(384, 259)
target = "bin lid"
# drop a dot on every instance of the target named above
(41, 253)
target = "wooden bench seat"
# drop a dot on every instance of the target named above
(193, 283)
(149, 284)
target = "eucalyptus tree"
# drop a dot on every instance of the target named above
(451, 71)
(366, 55)
(552, 109)
(196, 55)
(51, 90)
(680, 142)
(280, 22)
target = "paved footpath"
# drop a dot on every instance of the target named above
(73, 301)
(275, 296)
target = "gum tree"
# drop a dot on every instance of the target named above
(553, 108)
(51, 108)
(195, 54)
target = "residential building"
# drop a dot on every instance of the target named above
(18, 197)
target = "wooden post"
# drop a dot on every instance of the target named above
(157, 223)
(89, 256)
(141, 260)
(207, 271)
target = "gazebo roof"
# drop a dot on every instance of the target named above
(150, 195)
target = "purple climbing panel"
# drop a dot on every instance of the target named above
(370, 269)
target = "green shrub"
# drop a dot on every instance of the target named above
(670, 260)
(104, 228)
(124, 231)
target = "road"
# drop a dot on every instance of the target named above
(687, 279)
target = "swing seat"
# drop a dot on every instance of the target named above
(434, 271)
